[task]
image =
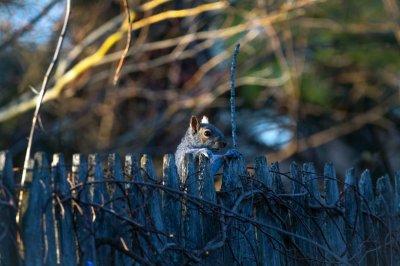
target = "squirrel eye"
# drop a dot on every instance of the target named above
(207, 133)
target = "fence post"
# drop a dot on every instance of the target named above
(100, 200)
(47, 208)
(315, 215)
(385, 211)
(353, 216)
(241, 247)
(8, 204)
(153, 197)
(370, 237)
(119, 204)
(334, 224)
(192, 222)
(83, 213)
(171, 206)
(136, 202)
(299, 223)
(213, 239)
(63, 212)
(31, 223)
(268, 253)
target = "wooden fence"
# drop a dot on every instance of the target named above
(96, 213)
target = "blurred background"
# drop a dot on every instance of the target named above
(316, 80)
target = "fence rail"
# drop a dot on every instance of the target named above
(96, 213)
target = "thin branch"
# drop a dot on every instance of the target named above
(128, 43)
(232, 101)
(40, 99)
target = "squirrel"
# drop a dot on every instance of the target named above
(203, 137)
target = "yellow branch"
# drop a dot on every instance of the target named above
(52, 93)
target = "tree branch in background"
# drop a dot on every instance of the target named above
(128, 42)
(40, 99)
(17, 108)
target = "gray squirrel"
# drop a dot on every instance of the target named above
(203, 138)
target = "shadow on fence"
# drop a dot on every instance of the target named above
(127, 215)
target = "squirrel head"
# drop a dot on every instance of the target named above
(205, 135)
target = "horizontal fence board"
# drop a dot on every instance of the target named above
(124, 213)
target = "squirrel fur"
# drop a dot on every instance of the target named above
(205, 138)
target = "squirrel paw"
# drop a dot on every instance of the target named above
(205, 152)
(232, 154)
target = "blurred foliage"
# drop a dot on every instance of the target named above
(332, 67)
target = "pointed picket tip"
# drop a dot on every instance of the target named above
(330, 184)
(261, 171)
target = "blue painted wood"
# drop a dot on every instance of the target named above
(83, 214)
(315, 215)
(100, 198)
(121, 231)
(48, 201)
(154, 217)
(334, 224)
(63, 212)
(171, 206)
(8, 247)
(353, 215)
(370, 237)
(268, 254)
(193, 227)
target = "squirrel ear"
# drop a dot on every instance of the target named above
(194, 124)
(204, 120)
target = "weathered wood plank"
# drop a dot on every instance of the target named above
(83, 213)
(121, 231)
(353, 226)
(154, 216)
(315, 215)
(8, 226)
(209, 215)
(385, 210)
(334, 224)
(47, 209)
(298, 217)
(136, 206)
(268, 254)
(63, 212)
(240, 246)
(171, 207)
(370, 238)
(192, 222)
(99, 199)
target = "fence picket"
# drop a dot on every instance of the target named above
(192, 222)
(51, 256)
(92, 217)
(315, 217)
(83, 213)
(171, 206)
(298, 222)
(368, 221)
(385, 211)
(63, 212)
(353, 216)
(119, 205)
(8, 246)
(334, 224)
(154, 216)
(268, 255)
(32, 218)
(100, 200)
